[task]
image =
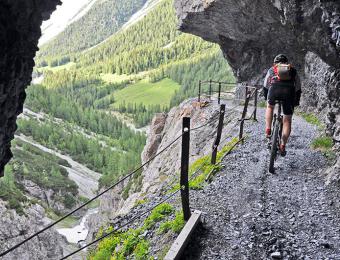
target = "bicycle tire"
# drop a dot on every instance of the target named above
(274, 148)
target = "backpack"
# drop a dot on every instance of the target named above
(283, 72)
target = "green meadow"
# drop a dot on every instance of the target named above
(146, 93)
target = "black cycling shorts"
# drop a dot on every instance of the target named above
(284, 93)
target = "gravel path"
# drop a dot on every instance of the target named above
(252, 214)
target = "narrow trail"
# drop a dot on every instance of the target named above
(86, 179)
(252, 214)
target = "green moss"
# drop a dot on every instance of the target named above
(158, 214)
(122, 245)
(141, 250)
(312, 119)
(125, 244)
(262, 104)
(322, 143)
(140, 202)
(176, 225)
(204, 166)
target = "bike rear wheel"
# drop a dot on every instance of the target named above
(274, 147)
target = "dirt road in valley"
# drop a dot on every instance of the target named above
(86, 179)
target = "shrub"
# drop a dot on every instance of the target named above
(69, 201)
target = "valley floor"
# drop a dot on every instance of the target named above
(86, 179)
(252, 214)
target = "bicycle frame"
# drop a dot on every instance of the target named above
(277, 126)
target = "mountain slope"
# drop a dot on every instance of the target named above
(67, 13)
(103, 19)
(149, 48)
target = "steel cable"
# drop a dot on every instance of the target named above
(89, 201)
(122, 226)
(103, 192)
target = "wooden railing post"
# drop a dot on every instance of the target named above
(184, 181)
(219, 92)
(244, 114)
(255, 104)
(210, 88)
(218, 136)
(199, 90)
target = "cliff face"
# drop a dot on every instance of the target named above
(251, 33)
(15, 228)
(20, 22)
(163, 172)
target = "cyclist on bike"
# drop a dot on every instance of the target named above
(281, 83)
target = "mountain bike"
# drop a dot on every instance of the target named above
(276, 136)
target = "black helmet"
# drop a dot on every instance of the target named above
(281, 59)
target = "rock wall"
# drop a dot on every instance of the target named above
(15, 228)
(162, 172)
(251, 33)
(20, 22)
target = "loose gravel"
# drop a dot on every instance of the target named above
(252, 214)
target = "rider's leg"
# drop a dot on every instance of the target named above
(287, 126)
(269, 117)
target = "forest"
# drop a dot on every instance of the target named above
(101, 21)
(97, 80)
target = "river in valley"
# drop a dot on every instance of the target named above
(78, 233)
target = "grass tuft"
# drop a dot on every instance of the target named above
(312, 119)
(123, 245)
(175, 225)
(323, 143)
(158, 214)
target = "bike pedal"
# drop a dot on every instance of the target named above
(283, 154)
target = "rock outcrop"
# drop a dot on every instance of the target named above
(15, 228)
(251, 33)
(162, 172)
(19, 33)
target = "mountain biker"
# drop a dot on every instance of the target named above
(281, 82)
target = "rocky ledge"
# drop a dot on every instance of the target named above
(14, 228)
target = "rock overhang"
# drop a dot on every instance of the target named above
(251, 33)
(20, 22)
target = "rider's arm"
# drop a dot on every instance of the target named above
(266, 84)
(298, 91)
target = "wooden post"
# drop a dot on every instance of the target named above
(199, 91)
(219, 92)
(218, 136)
(244, 114)
(210, 90)
(255, 104)
(184, 182)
